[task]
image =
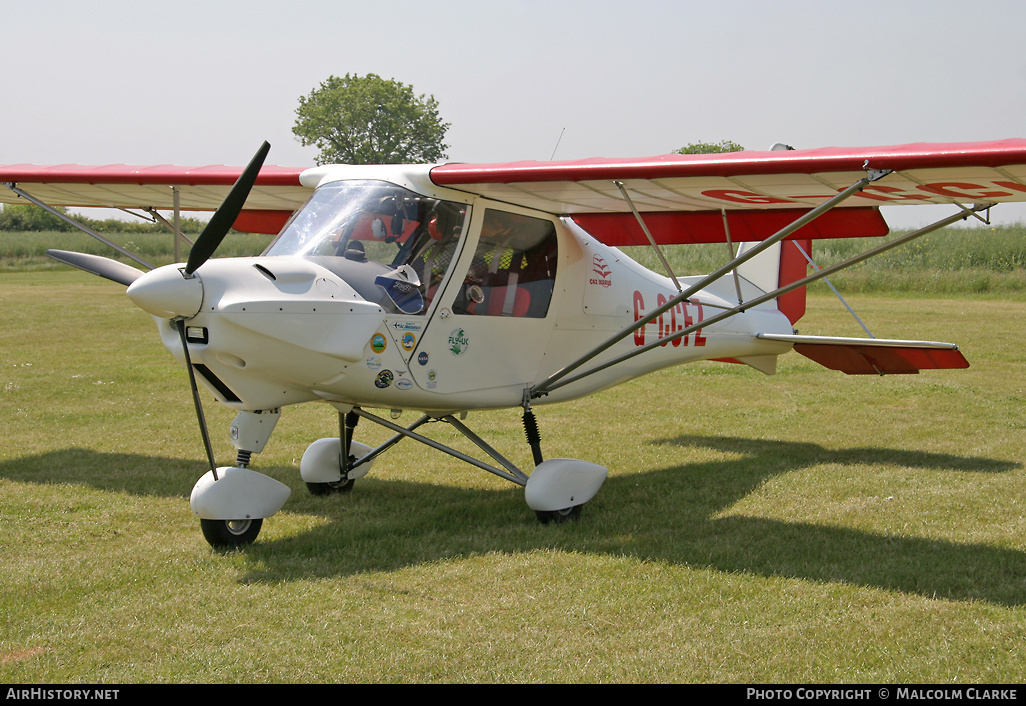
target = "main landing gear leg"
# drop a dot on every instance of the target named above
(330, 466)
(534, 441)
(557, 481)
(346, 427)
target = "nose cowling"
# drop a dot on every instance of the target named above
(168, 293)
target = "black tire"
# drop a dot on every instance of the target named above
(332, 488)
(227, 534)
(555, 517)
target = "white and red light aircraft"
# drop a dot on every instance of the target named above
(458, 287)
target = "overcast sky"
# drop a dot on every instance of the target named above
(195, 82)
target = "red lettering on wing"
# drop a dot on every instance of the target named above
(890, 193)
(959, 190)
(740, 196)
(1011, 185)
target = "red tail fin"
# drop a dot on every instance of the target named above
(793, 267)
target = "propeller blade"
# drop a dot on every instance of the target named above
(225, 215)
(102, 266)
(196, 399)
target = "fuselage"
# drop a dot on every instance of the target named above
(396, 294)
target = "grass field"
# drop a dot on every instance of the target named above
(802, 527)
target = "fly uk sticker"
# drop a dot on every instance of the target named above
(459, 342)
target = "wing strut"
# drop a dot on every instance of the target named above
(730, 249)
(549, 383)
(644, 229)
(176, 226)
(67, 219)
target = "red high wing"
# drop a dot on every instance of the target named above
(682, 196)
(275, 196)
(760, 191)
(995, 154)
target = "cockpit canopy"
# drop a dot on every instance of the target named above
(391, 245)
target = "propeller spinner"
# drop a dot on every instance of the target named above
(172, 292)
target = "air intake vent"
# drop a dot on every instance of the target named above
(266, 272)
(216, 383)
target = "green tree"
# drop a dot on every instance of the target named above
(710, 147)
(370, 120)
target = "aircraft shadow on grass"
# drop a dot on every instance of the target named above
(385, 524)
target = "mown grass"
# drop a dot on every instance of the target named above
(804, 527)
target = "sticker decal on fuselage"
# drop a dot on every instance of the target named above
(459, 342)
(601, 272)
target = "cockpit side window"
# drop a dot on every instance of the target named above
(514, 268)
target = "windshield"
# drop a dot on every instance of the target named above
(391, 245)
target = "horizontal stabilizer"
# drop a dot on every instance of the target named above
(875, 356)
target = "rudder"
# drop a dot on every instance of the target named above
(780, 265)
